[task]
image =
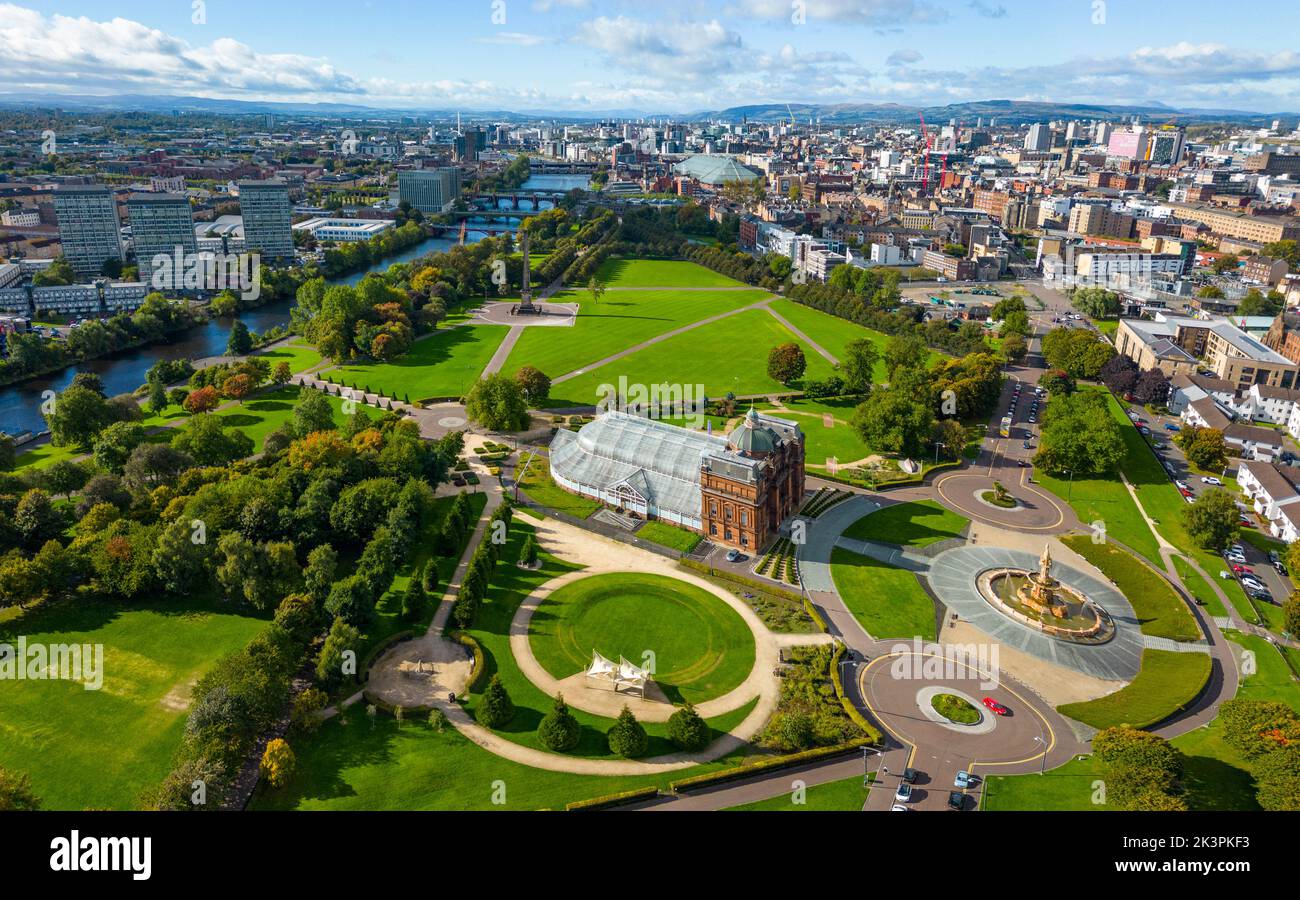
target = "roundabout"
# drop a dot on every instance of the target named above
(696, 647)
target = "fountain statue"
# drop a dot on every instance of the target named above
(1040, 590)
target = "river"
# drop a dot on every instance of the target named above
(124, 372)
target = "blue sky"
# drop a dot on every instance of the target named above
(664, 56)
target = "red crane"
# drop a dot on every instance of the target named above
(925, 169)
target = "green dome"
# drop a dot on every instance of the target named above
(752, 436)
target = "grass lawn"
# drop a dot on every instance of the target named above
(661, 273)
(510, 585)
(955, 709)
(887, 601)
(692, 359)
(909, 524)
(258, 416)
(700, 647)
(1068, 787)
(45, 455)
(1199, 587)
(845, 795)
(300, 356)
(1159, 609)
(821, 443)
(669, 536)
(355, 763)
(535, 481)
(834, 333)
(446, 364)
(1218, 777)
(1167, 682)
(102, 748)
(622, 319)
(1105, 499)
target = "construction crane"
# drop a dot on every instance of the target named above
(925, 168)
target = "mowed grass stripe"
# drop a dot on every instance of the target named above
(702, 647)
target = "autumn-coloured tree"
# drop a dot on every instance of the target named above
(281, 374)
(278, 763)
(320, 449)
(237, 387)
(205, 399)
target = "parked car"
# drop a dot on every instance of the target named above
(1253, 583)
(904, 793)
(910, 775)
(899, 808)
(1182, 485)
(1210, 479)
(965, 779)
(1280, 567)
(956, 800)
(996, 707)
(1185, 492)
(733, 555)
(1239, 569)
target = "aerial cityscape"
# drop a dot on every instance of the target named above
(760, 405)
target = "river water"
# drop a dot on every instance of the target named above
(124, 372)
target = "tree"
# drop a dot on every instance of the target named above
(627, 737)
(534, 383)
(278, 763)
(16, 792)
(1119, 374)
(559, 730)
(1152, 387)
(237, 387)
(1142, 771)
(688, 730)
(1057, 383)
(35, 518)
(1096, 302)
(1229, 262)
(78, 417)
(858, 366)
(528, 552)
(205, 399)
(149, 466)
(338, 655)
(1204, 448)
(1016, 322)
(894, 420)
(208, 442)
(1079, 435)
(1077, 351)
(1212, 521)
(431, 580)
(63, 477)
(786, 363)
(241, 342)
(413, 599)
(281, 374)
(1291, 614)
(904, 352)
(1288, 250)
(1015, 348)
(318, 576)
(1277, 776)
(597, 289)
(312, 413)
(157, 397)
(498, 404)
(497, 708)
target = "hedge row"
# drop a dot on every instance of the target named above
(852, 711)
(611, 800)
(479, 670)
(726, 575)
(908, 481)
(767, 765)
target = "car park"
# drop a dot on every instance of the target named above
(1181, 485)
(1170, 426)
(733, 555)
(965, 779)
(1280, 567)
(1253, 583)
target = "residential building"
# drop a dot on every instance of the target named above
(89, 228)
(161, 225)
(344, 230)
(1274, 495)
(268, 218)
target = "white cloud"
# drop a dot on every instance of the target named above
(667, 49)
(903, 58)
(512, 39)
(875, 13)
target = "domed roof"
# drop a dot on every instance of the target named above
(752, 436)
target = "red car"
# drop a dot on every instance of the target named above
(1242, 570)
(1185, 492)
(998, 708)
(1246, 523)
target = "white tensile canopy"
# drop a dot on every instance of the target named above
(622, 674)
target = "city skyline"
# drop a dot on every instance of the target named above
(684, 57)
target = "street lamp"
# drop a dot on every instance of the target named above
(1042, 769)
(937, 445)
(1069, 496)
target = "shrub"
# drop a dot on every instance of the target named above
(278, 763)
(497, 708)
(688, 730)
(559, 730)
(627, 737)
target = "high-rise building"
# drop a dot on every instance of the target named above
(1039, 137)
(1167, 146)
(431, 191)
(268, 218)
(1131, 144)
(88, 226)
(160, 225)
